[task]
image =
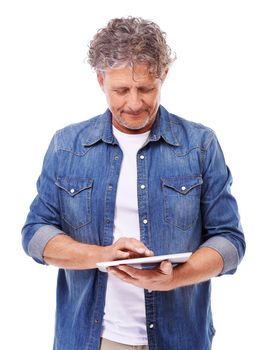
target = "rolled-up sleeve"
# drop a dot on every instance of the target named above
(43, 221)
(40, 239)
(222, 228)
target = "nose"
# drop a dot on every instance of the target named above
(134, 101)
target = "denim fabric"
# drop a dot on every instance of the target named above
(186, 203)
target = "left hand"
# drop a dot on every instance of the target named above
(160, 278)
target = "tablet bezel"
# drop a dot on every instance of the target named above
(140, 262)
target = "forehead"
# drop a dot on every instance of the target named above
(137, 75)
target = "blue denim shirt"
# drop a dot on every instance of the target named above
(186, 204)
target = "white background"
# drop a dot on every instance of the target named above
(221, 79)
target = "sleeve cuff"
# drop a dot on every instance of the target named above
(227, 251)
(40, 239)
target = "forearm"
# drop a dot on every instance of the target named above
(204, 264)
(64, 252)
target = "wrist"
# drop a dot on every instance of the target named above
(99, 254)
(173, 282)
(180, 276)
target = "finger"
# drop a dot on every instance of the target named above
(121, 255)
(139, 249)
(138, 274)
(143, 251)
(131, 271)
(133, 255)
(120, 274)
(166, 267)
(134, 245)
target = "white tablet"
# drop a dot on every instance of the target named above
(146, 262)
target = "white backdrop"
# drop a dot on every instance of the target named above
(221, 79)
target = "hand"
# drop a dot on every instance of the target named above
(127, 248)
(160, 278)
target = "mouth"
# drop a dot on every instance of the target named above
(134, 114)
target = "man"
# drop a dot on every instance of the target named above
(134, 181)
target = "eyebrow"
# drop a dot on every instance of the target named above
(123, 87)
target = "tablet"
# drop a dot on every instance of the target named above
(146, 262)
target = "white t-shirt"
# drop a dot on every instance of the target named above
(124, 318)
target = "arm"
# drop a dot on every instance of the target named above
(43, 222)
(204, 264)
(63, 251)
(222, 230)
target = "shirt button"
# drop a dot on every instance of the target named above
(72, 190)
(141, 156)
(183, 188)
(116, 157)
(151, 326)
(145, 221)
(110, 187)
(142, 187)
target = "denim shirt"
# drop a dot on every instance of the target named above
(186, 203)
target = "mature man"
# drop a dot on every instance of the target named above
(134, 181)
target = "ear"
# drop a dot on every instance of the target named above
(100, 78)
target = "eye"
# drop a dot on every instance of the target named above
(121, 91)
(146, 90)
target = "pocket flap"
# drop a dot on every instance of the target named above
(74, 185)
(182, 184)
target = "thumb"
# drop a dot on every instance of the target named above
(166, 267)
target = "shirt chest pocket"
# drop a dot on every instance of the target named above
(182, 200)
(75, 200)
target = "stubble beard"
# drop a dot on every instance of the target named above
(131, 126)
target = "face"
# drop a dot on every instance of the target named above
(133, 96)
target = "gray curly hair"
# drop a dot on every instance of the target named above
(129, 41)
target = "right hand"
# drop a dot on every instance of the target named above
(127, 248)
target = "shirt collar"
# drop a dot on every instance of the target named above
(102, 129)
(163, 127)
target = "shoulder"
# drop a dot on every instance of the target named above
(75, 136)
(190, 134)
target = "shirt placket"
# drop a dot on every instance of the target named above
(109, 210)
(145, 236)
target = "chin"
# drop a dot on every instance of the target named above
(136, 126)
